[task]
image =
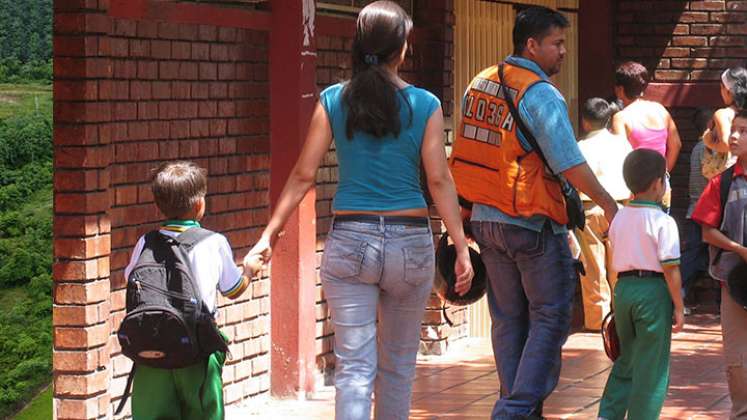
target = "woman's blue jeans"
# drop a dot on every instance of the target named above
(532, 280)
(371, 268)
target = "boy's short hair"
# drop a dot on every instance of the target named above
(177, 186)
(641, 168)
(633, 77)
(742, 113)
(598, 112)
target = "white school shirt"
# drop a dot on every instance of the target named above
(605, 153)
(212, 265)
(643, 237)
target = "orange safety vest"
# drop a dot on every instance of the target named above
(488, 162)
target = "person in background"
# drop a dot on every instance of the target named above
(519, 214)
(648, 299)
(605, 153)
(694, 250)
(716, 157)
(646, 124)
(722, 220)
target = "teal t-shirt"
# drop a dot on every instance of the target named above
(380, 173)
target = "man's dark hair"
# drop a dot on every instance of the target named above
(598, 112)
(641, 168)
(633, 77)
(177, 186)
(535, 22)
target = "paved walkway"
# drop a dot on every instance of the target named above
(463, 384)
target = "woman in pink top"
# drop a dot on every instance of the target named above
(646, 124)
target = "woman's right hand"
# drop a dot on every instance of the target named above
(464, 272)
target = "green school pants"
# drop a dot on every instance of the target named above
(639, 378)
(191, 393)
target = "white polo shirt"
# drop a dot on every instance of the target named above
(643, 237)
(605, 153)
(211, 261)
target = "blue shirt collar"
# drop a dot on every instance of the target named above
(527, 64)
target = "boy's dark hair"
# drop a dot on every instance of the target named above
(177, 186)
(633, 77)
(535, 22)
(742, 113)
(598, 112)
(641, 168)
(701, 119)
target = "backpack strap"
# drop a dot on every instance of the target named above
(724, 186)
(726, 178)
(128, 388)
(192, 236)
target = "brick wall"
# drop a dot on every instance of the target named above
(129, 94)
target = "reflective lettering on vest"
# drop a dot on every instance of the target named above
(488, 162)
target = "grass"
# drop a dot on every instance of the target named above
(17, 98)
(40, 408)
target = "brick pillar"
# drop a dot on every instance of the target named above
(81, 200)
(292, 296)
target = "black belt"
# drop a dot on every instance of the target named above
(640, 273)
(387, 220)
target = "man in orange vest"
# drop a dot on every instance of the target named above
(519, 210)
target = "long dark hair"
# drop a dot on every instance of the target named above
(736, 77)
(370, 95)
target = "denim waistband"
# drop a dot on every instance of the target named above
(413, 221)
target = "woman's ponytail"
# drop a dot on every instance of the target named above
(370, 96)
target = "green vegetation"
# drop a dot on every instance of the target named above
(25, 243)
(40, 407)
(26, 41)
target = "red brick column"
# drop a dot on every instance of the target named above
(293, 87)
(82, 244)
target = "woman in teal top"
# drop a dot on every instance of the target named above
(379, 256)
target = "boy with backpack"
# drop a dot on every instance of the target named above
(721, 212)
(169, 331)
(645, 254)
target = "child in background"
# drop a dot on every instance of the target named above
(645, 253)
(721, 213)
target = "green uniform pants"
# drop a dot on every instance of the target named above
(191, 393)
(639, 378)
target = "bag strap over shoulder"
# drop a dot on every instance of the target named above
(725, 185)
(192, 236)
(518, 121)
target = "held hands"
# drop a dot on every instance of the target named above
(258, 256)
(464, 272)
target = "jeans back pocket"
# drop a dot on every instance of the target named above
(343, 257)
(420, 264)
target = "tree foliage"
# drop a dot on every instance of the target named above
(25, 40)
(25, 256)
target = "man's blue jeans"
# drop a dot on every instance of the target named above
(694, 254)
(532, 280)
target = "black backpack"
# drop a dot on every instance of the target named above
(168, 325)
